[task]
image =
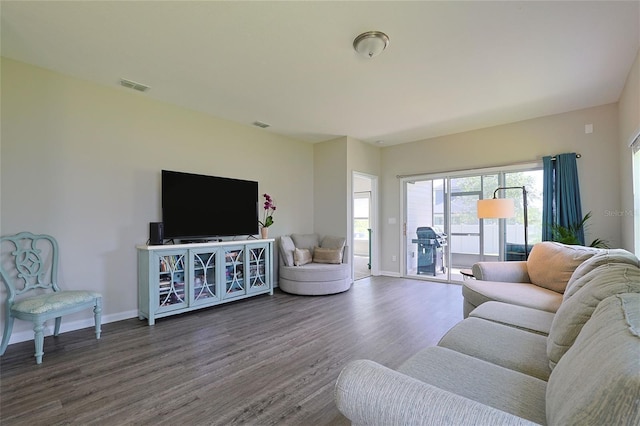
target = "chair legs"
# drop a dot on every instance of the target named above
(56, 328)
(38, 329)
(97, 314)
(8, 328)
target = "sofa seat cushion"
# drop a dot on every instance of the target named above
(550, 264)
(477, 292)
(315, 272)
(597, 382)
(499, 344)
(482, 381)
(586, 293)
(528, 319)
(315, 279)
(50, 302)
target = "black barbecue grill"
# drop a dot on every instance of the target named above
(430, 251)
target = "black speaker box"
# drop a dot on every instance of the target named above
(156, 234)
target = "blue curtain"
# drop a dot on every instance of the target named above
(567, 192)
(561, 194)
(547, 197)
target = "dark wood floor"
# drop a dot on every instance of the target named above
(262, 361)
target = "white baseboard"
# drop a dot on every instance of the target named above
(26, 335)
(390, 274)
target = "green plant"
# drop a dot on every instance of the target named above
(569, 234)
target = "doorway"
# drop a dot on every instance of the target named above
(363, 225)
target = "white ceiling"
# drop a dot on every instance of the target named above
(450, 66)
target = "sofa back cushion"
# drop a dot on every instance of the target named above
(306, 241)
(337, 243)
(601, 258)
(333, 242)
(551, 264)
(287, 248)
(586, 293)
(597, 382)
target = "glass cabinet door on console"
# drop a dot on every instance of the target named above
(171, 281)
(204, 278)
(234, 279)
(258, 268)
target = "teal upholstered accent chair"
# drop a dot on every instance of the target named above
(29, 264)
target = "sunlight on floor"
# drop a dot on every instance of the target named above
(360, 267)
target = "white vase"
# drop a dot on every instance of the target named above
(264, 232)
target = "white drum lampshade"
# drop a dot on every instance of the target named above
(496, 208)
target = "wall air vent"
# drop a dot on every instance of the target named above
(133, 85)
(261, 124)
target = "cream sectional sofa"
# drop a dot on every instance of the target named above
(577, 366)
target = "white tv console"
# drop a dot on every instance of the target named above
(177, 278)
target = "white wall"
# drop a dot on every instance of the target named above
(523, 141)
(363, 157)
(82, 162)
(629, 124)
(334, 164)
(330, 188)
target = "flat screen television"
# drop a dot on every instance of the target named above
(198, 206)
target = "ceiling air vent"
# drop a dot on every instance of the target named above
(261, 124)
(133, 85)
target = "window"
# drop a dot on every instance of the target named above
(361, 209)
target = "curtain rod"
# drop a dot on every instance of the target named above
(521, 163)
(577, 156)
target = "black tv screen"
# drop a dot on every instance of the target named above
(200, 206)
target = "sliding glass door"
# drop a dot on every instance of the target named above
(470, 238)
(442, 233)
(426, 245)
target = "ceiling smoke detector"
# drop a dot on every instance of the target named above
(371, 43)
(133, 85)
